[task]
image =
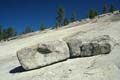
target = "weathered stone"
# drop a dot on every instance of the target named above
(91, 49)
(43, 54)
(74, 47)
(96, 48)
(105, 48)
(86, 50)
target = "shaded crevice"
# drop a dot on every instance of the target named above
(43, 50)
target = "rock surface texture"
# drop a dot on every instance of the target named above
(91, 49)
(43, 54)
(74, 47)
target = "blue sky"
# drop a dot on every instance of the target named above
(22, 13)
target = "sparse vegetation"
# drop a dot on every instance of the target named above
(60, 17)
(73, 18)
(66, 22)
(105, 9)
(42, 27)
(7, 33)
(1, 33)
(11, 32)
(28, 29)
(55, 26)
(61, 21)
(92, 13)
(112, 9)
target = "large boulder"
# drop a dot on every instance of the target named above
(85, 47)
(43, 54)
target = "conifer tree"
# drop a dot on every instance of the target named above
(73, 18)
(60, 17)
(10, 32)
(92, 13)
(104, 9)
(95, 13)
(28, 29)
(1, 32)
(66, 22)
(112, 9)
(42, 27)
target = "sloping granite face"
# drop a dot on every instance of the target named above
(44, 54)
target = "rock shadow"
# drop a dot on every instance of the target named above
(18, 69)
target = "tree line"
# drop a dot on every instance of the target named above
(7, 33)
(92, 12)
(11, 32)
(61, 20)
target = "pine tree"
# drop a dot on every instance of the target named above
(104, 9)
(60, 17)
(1, 29)
(28, 29)
(10, 32)
(1, 33)
(5, 34)
(92, 13)
(66, 22)
(73, 18)
(95, 13)
(112, 9)
(42, 27)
